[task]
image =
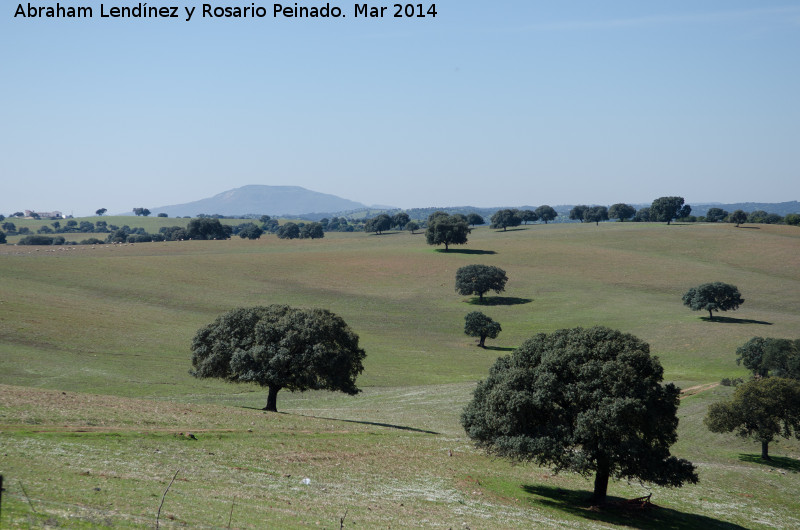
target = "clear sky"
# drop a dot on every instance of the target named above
(489, 103)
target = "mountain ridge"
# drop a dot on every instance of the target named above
(262, 199)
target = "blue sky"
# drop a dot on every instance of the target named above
(487, 104)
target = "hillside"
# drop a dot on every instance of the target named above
(259, 199)
(96, 401)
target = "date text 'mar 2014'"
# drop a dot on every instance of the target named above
(399, 10)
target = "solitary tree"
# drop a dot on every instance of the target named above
(762, 409)
(446, 229)
(480, 279)
(715, 296)
(411, 226)
(595, 214)
(101, 211)
(576, 213)
(666, 209)
(279, 347)
(738, 217)
(475, 219)
(378, 224)
(546, 213)
(505, 218)
(583, 400)
(141, 211)
(476, 324)
(621, 211)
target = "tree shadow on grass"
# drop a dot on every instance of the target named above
(780, 462)
(376, 424)
(731, 320)
(512, 229)
(500, 300)
(499, 348)
(465, 251)
(618, 512)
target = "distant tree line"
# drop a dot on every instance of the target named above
(663, 209)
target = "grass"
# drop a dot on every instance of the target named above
(94, 356)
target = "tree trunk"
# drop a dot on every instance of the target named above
(600, 483)
(765, 450)
(272, 399)
(710, 315)
(446, 246)
(481, 343)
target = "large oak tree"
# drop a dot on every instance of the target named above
(584, 400)
(279, 347)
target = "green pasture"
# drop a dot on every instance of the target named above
(94, 348)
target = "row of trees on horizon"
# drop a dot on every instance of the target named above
(453, 231)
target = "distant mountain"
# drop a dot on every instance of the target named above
(259, 199)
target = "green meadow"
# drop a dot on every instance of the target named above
(97, 404)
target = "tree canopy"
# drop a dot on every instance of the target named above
(207, 228)
(528, 216)
(505, 218)
(761, 409)
(476, 324)
(311, 231)
(666, 209)
(400, 220)
(766, 357)
(279, 347)
(595, 214)
(642, 215)
(378, 224)
(738, 217)
(546, 213)
(250, 231)
(621, 211)
(576, 213)
(288, 231)
(475, 219)
(480, 279)
(583, 400)
(714, 215)
(445, 229)
(716, 296)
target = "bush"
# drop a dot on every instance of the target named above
(92, 241)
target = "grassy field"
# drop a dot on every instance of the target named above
(97, 402)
